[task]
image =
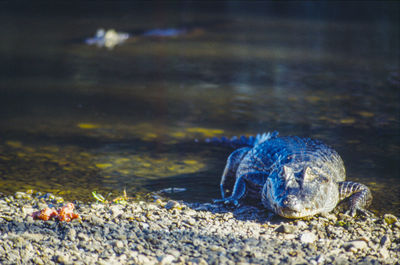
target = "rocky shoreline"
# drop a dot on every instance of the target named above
(171, 232)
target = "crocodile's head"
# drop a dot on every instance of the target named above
(300, 192)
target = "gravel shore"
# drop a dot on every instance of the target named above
(171, 232)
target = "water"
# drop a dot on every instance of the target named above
(78, 118)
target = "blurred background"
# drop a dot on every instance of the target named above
(134, 115)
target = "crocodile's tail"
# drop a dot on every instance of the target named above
(242, 141)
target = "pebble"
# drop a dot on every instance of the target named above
(390, 219)
(166, 259)
(385, 241)
(174, 232)
(83, 236)
(63, 259)
(34, 237)
(320, 259)
(308, 237)
(116, 211)
(355, 245)
(119, 244)
(172, 205)
(285, 228)
(71, 234)
(302, 225)
(173, 252)
(96, 220)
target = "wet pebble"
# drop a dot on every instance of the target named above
(172, 205)
(390, 219)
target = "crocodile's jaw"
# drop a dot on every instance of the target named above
(299, 202)
(294, 215)
(295, 210)
(298, 213)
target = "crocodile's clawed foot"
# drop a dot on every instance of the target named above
(353, 211)
(227, 201)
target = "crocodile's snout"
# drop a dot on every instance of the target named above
(291, 203)
(291, 207)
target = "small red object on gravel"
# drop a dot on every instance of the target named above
(66, 213)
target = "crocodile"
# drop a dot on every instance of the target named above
(293, 177)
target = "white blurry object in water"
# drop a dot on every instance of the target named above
(109, 38)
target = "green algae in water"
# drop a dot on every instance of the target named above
(147, 166)
(72, 170)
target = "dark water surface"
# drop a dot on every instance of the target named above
(78, 118)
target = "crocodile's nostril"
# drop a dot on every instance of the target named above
(289, 199)
(291, 203)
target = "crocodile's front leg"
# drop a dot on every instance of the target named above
(229, 176)
(241, 187)
(239, 191)
(359, 196)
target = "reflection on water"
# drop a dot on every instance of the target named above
(78, 118)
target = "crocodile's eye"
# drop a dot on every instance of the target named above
(323, 179)
(309, 175)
